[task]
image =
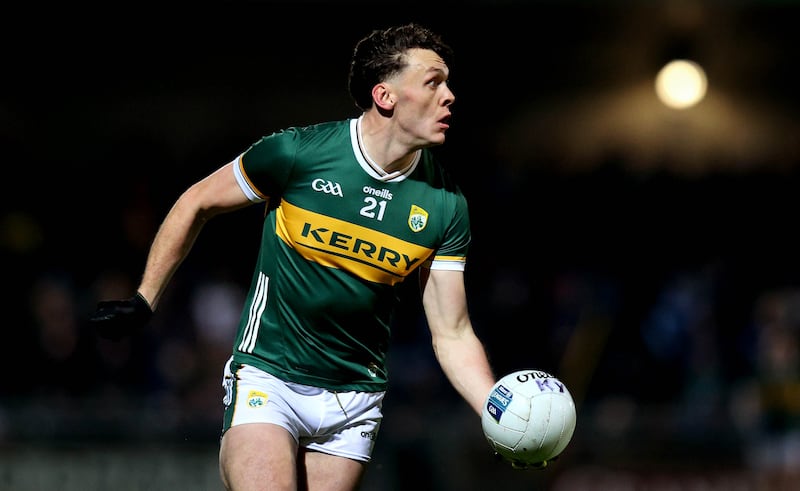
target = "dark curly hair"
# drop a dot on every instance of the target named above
(380, 55)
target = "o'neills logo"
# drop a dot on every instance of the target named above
(417, 218)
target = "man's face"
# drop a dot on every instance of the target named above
(422, 109)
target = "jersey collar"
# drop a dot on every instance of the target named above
(369, 165)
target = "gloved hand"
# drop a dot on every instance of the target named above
(116, 319)
(521, 465)
(525, 466)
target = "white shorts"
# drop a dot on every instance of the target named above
(336, 423)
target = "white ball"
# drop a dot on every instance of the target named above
(529, 417)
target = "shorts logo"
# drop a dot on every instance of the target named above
(256, 398)
(417, 218)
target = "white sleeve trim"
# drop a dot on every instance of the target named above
(446, 265)
(243, 182)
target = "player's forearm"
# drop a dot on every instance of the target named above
(464, 362)
(171, 245)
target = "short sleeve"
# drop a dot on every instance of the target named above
(452, 255)
(264, 169)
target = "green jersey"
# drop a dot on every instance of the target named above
(339, 236)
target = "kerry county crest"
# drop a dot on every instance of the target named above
(417, 218)
(256, 398)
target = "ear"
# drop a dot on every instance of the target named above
(383, 97)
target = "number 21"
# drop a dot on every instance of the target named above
(368, 210)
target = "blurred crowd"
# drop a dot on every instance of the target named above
(666, 363)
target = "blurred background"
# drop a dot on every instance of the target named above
(645, 254)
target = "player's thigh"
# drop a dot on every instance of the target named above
(258, 456)
(324, 472)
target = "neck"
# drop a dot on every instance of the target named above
(382, 144)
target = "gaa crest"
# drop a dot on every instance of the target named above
(417, 218)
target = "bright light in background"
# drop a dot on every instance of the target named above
(681, 84)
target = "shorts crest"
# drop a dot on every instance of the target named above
(256, 398)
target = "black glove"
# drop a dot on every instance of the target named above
(521, 465)
(116, 319)
(515, 464)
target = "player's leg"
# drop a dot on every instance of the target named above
(258, 448)
(323, 472)
(335, 459)
(258, 456)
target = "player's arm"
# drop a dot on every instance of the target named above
(458, 350)
(217, 193)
